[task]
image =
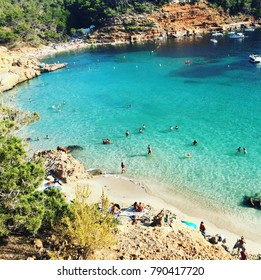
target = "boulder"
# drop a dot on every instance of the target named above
(64, 166)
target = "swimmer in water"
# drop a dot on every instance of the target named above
(176, 127)
(195, 142)
(245, 151)
(239, 149)
(171, 128)
(127, 133)
(143, 126)
(149, 150)
(140, 130)
(188, 155)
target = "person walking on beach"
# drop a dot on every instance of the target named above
(149, 150)
(240, 245)
(202, 229)
(123, 168)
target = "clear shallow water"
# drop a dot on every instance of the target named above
(216, 99)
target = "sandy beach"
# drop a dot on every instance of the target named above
(123, 190)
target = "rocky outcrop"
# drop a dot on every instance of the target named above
(16, 68)
(170, 21)
(63, 165)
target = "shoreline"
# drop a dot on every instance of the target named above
(125, 191)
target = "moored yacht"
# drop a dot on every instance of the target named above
(255, 58)
(237, 35)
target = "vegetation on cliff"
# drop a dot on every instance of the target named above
(26, 210)
(54, 20)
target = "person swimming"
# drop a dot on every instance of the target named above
(149, 150)
(140, 130)
(176, 127)
(127, 133)
(239, 149)
(195, 142)
(171, 128)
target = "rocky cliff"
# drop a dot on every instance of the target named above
(172, 20)
(16, 67)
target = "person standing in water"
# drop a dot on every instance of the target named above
(123, 168)
(149, 150)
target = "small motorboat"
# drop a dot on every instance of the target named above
(255, 58)
(217, 34)
(250, 29)
(238, 35)
(213, 41)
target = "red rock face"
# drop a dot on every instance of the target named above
(173, 20)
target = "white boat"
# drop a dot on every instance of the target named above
(217, 34)
(231, 32)
(213, 41)
(250, 29)
(255, 58)
(238, 35)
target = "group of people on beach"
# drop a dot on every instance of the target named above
(240, 244)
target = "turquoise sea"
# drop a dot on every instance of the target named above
(216, 99)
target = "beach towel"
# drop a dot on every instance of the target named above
(190, 224)
(132, 213)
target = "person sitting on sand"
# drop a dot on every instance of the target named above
(115, 208)
(158, 219)
(140, 207)
(135, 205)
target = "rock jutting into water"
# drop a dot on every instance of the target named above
(63, 166)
